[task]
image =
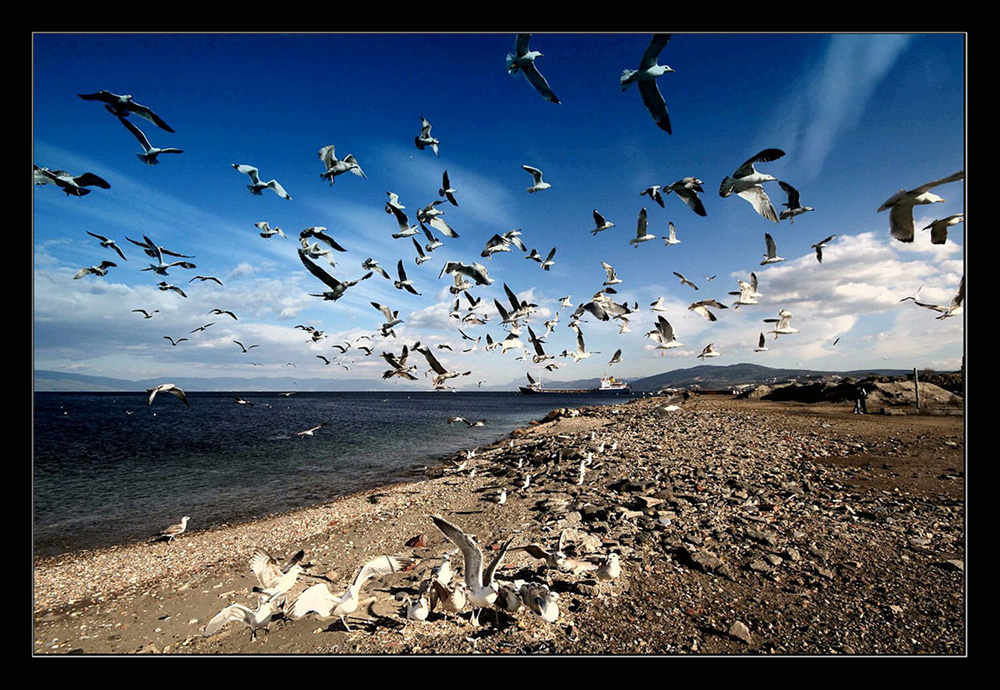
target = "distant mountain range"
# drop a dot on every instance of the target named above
(705, 377)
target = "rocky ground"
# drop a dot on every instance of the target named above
(743, 527)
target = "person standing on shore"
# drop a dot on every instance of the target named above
(860, 406)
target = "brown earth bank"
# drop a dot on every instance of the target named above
(743, 527)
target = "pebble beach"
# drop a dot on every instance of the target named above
(742, 528)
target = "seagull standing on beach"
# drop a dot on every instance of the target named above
(319, 600)
(646, 77)
(275, 580)
(901, 205)
(523, 60)
(175, 531)
(481, 585)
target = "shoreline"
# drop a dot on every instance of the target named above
(158, 597)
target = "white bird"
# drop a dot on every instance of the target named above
(565, 301)
(106, 242)
(792, 207)
(772, 251)
(746, 183)
(174, 531)
(160, 268)
(404, 283)
(257, 187)
(267, 231)
(820, 246)
(702, 308)
(671, 238)
(902, 202)
(610, 569)
(658, 305)
(685, 281)
(73, 185)
(640, 231)
(616, 357)
(150, 154)
(783, 327)
(275, 579)
(441, 374)
(446, 190)
(602, 223)
(101, 270)
(687, 191)
(452, 599)
(709, 351)
(953, 309)
(646, 77)
(164, 286)
(147, 314)
(536, 176)
(654, 192)
(174, 342)
(123, 106)
(938, 228)
(479, 580)
(393, 203)
(541, 600)
(664, 335)
(311, 431)
(405, 229)
(370, 264)
(257, 620)
(417, 609)
(336, 166)
(523, 60)
(167, 388)
(319, 600)
(425, 138)
(337, 287)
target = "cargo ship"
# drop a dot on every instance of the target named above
(609, 385)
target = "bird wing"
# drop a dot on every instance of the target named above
(521, 44)
(536, 79)
(471, 552)
(328, 279)
(234, 612)
(249, 170)
(691, 198)
(760, 201)
(960, 175)
(901, 222)
(657, 107)
(378, 567)
(265, 567)
(147, 114)
(316, 599)
(535, 173)
(765, 156)
(495, 563)
(138, 133)
(640, 229)
(793, 194)
(772, 249)
(90, 179)
(653, 50)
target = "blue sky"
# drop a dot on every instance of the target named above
(858, 116)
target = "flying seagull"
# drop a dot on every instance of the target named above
(685, 281)
(702, 308)
(425, 138)
(687, 191)
(902, 202)
(792, 207)
(761, 347)
(150, 154)
(819, 246)
(123, 106)
(312, 430)
(939, 228)
(482, 588)
(267, 231)
(745, 182)
(147, 314)
(536, 176)
(257, 187)
(335, 166)
(709, 351)
(337, 287)
(671, 238)
(664, 335)
(523, 60)
(101, 270)
(602, 224)
(72, 185)
(404, 283)
(164, 286)
(205, 278)
(641, 235)
(167, 388)
(772, 251)
(953, 309)
(646, 77)
(446, 191)
(782, 327)
(257, 620)
(654, 193)
(105, 242)
(224, 311)
(174, 342)
(244, 347)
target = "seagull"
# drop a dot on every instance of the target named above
(150, 154)
(257, 620)
(481, 585)
(245, 348)
(536, 176)
(123, 106)
(240, 401)
(819, 246)
(671, 237)
(782, 328)
(275, 580)
(257, 187)
(709, 351)
(939, 228)
(441, 374)
(266, 231)
(658, 305)
(398, 365)
(523, 60)
(153, 250)
(541, 601)
(417, 609)
(324, 358)
(164, 286)
(370, 264)
(640, 232)
(160, 268)
(685, 281)
(337, 287)
(902, 202)
(393, 203)
(174, 342)
(602, 224)
(610, 569)
(565, 301)
(147, 314)
(101, 270)
(772, 251)
(72, 185)
(404, 283)
(311, 431)
(687, 191)
(613, 278)
(391, 317)
(748, 292)
(654, 193)
(475, 271)
(335, 166)
(319, 600)
(702, 308)
(761, 347)
(224, 311)
(446, 191)
(425, 138)
(664, 335)
(746, 183)
(646, 77)
(204, 278)
(953, 309)
(405, 229)
(177, 530)
(792, 206)
(452, 599)
(105, 242)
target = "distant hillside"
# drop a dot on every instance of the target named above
(63, 381)
(708, 377)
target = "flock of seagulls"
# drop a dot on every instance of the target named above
(318, 248)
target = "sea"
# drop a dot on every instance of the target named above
(110, 469)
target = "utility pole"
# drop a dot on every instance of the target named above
(916, 388)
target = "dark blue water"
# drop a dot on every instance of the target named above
(103, 476)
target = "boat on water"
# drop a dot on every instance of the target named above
(608, 385)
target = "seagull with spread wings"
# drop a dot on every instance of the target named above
(523, 60)
(646, 77)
